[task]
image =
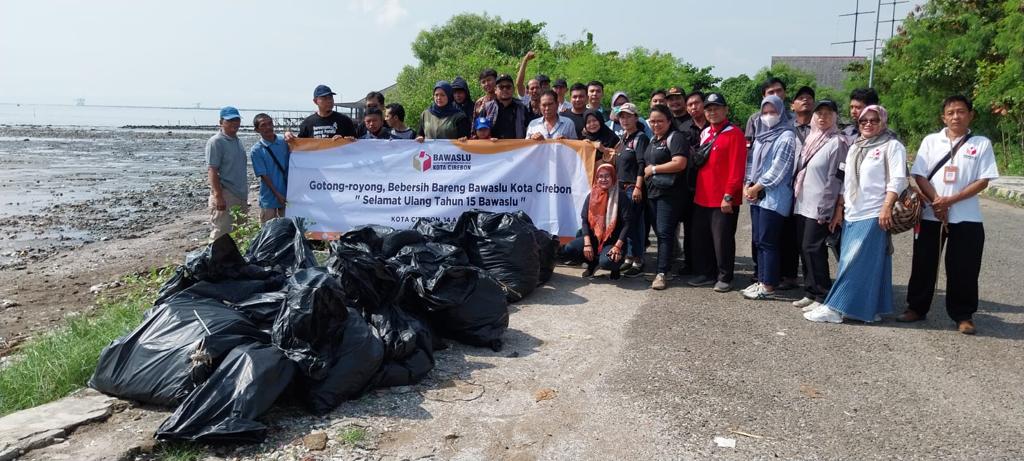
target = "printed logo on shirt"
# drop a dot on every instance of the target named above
(877, 153)
(972, 151)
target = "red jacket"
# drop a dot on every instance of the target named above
(723, 173)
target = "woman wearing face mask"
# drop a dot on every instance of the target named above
(606, 215)
(875, 173)
(664, 163)
(630, 164)
(816, 190)
(769, 191)
(595, 131)
(443, 119)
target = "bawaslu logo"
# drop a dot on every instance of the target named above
(422, 161)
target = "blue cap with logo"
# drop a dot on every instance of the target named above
(322, 90)
(229, 113)
(482, 122)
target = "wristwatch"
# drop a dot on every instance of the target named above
(727, 198)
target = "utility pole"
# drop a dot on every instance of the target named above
(856, 17)
(874, 49)
(893, 21)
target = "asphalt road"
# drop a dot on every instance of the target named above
(697, 365)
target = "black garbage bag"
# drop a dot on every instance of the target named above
(373, 285)
(225, 407)
(174, 350)
(382, 240)
(262, 308)
(217, 262)
(504, 245)
(427, 258)
(438, 231)
(464, 303)
(281, 244)
(336, 351)
(547, 252)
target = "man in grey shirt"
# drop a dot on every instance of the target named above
(226, 169)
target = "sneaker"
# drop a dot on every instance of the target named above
(811, 307)
(759, 294)
(668, 277)
(588, 273)
(700, 281)
(723, 287)
(752, 288)
(659, 282)
(633, 271)
(803, 302)
(626, 264)
(824, 314)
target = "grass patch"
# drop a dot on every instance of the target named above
(179, 451)
(58, 362)
(352, 435)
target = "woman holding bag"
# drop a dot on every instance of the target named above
(875, 173)
(665, 161)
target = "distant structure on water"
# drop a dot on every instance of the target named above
(828, 71)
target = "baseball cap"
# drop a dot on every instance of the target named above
(561, 83)
(541, 78)
(504, 77)
(229, 113)
(675, 91)
(827, 103)
(715, 98)
(482, 122)
(628, 107)
(804, 90)
(322, 90)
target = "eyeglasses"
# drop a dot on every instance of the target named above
(869, 121)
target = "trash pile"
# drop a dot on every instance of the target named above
(230, 334)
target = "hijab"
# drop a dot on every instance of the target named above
(766, 134)
(604, 135)
(816, 139)
(603, 209)
(448, 109)
(460, 83)
(863, 145)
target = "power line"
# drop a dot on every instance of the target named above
(893, 21)
(856, 20)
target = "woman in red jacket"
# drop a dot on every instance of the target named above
(718, 197)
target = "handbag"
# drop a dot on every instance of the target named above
(906, 210)
(700, 156)
(664, 181)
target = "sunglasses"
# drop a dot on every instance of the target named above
(869, 121)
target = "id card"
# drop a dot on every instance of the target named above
(949, 174)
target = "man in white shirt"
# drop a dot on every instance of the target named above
(550, 125)
(951, 168)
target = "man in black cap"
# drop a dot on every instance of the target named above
(325, 122)
(561, 87)
(508, 115)
(803, 107)
(675, 99)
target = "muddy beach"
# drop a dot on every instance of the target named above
(83, 206)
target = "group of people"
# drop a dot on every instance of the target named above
(810, 184)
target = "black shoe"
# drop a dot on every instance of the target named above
(615, 275)
(685, 270)
(589, 273)
(700, 281)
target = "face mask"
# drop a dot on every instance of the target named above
(770, 120)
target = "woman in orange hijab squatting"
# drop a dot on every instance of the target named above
(607, 215)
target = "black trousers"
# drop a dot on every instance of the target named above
(714, 237)
(814, 254)
(685, 210)
(965, 243)
(789, 248)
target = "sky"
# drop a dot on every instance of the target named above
(270, 55)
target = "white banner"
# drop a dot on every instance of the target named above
(338, 185)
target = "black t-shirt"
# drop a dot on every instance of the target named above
(511, 121)
(361, 129)
(577, 121)
(630, 161)
(661, 151)
(678, 122)
(316, 126)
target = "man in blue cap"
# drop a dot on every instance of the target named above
(226, 170)
(325, 123)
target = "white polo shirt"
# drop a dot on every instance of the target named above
(563, 129)
(975, 160)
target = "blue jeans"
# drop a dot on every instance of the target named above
(635, 244)
(574, 249)
(767, 226)
(666, 218)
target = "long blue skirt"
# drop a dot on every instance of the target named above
(863, 287)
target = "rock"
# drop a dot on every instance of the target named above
(544, 394)
(316, 441)
(6, 303)
(40, 426)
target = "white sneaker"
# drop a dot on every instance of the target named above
(752, 288)
(759, 294)
(824, 314)
(810, 307)
(803, 302)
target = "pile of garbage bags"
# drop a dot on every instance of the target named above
(231, 334)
